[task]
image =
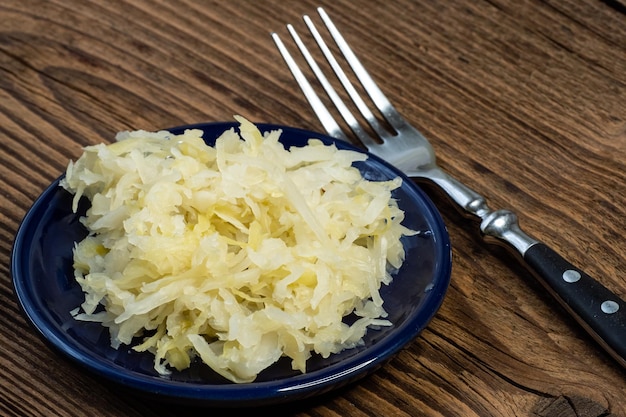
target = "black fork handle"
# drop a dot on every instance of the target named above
(600, 311)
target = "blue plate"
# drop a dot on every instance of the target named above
(44, 284)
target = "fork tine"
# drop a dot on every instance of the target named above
(327, 120)
(380, 100)
(318, 107)
(347, 85)
(357, 129)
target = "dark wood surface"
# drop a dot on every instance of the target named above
(524, 101)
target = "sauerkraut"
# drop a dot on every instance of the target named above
(236, 254)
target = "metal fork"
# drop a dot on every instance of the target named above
(601, 312)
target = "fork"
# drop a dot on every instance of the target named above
(600, 312)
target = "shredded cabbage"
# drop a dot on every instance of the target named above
(238, 254)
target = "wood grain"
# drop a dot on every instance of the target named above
(523, 101)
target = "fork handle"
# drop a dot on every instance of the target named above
(596, 308)
(601, 312)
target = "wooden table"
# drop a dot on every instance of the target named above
(523, 101)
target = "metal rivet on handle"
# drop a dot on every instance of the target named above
(609, 307)
(571, 276)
